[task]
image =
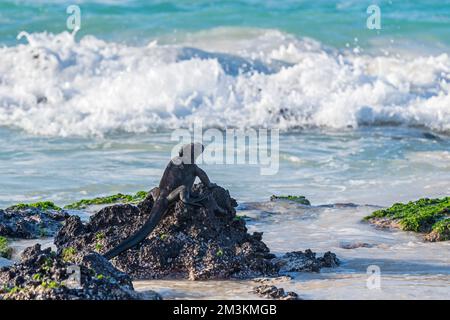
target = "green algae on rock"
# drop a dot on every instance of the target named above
(116, 198)
(298, 199)
(5, 250)
(44, 219)
(68, 254)
(430, 216)
(43, 205)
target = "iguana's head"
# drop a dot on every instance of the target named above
(190, 152)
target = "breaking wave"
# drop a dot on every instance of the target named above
(53, 85)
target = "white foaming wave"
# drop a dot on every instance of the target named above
(56, 86)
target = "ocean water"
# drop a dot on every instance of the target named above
(141, 66)
(364, 115)
(409, 268)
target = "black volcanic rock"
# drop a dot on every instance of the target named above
(299, 261)
(43, 275)
(30, 223)
(272, 292)
(189, 242)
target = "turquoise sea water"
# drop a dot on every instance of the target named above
(423, 22)
(93, 115)
(364, 117)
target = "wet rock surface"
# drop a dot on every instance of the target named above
(299, 261)
(30, 223)
(355, 245)
(43, 275)
(272, 292)
(190, 242)
(435, 236)
(272, 280)
(385, 223)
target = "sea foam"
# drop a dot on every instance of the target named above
(53, 85)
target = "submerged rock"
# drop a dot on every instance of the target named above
(272, 280)
(272, 292)
(43, 275)
(298, 261)
(189, 242)
(354, 245)
(297, 199)
(31, 221)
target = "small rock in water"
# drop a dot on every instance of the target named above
(298, 261)
(42, 275)
(272, 292)
(431, 136)
(272, 280)
(354, 245)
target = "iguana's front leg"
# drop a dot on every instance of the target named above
(204, 178)
(183, 193)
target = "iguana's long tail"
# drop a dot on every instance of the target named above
(157, 212)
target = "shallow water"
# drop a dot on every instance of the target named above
(19, 245)
(410, 268)
(377, 166)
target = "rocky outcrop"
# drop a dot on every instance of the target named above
(354, 245)
(43, 275)
(431, 217)
(272, 292)
(27, 222)
(190, 242)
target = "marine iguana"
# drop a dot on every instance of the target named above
(176, 183)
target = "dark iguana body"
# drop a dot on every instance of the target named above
(176, 183)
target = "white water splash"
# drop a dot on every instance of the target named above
(59, 87)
